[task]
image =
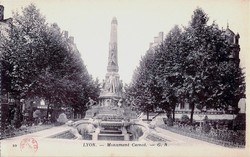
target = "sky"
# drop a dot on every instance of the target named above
(139, 21)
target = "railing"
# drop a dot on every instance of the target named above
(187, 111)
(227, 138)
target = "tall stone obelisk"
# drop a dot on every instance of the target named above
(113, 60)
(112, 86)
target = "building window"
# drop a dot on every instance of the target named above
(182, 105)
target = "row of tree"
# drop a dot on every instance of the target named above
(38, 60)
(193, 65)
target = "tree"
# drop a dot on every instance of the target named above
(206, 66)
(169, 71)
(195, 66)
(195, 36)
(142, 91)
(41, 61)
(19, 49)
(18, 46)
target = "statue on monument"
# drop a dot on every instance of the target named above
(103, 84)
(120, 86)
(106, 86)
(110, 84)
(112, 61)
(91, 102)
(120, 103)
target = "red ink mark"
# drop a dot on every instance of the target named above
(29, 144)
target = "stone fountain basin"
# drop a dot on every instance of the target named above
(111, 124)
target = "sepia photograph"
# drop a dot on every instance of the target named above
(124, 78)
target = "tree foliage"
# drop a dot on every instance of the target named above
(193, 65)
(40, 61)
(141, 91)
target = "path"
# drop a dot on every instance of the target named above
(45, 133)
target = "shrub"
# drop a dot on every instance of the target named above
(239, 122)
(206, 127)
(177, 120)
(165, 120)
(170, 121)
(184, 119)
(17, 121)
(58, 123)
(205, 119)
(230, 125)
(62, 118)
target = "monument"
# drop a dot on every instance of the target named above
(110, 118)
(112, 85)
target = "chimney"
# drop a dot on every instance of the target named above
(65, 34)
(150, 45)
(71, 39)
(1, 13)
(155, 39)
(160, 38)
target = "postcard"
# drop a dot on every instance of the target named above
(124, 78)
